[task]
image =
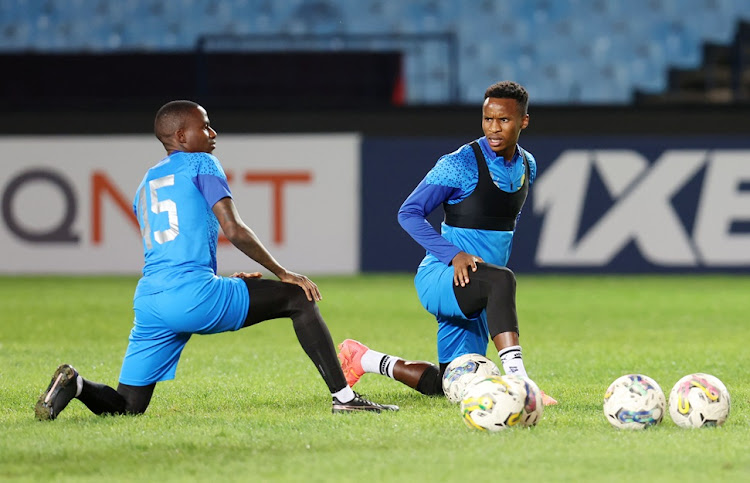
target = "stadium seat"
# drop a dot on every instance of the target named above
(546, 43)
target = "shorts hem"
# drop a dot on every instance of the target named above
(134, 382)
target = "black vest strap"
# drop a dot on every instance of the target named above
(488, 207)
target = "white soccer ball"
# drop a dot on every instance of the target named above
(464, 370)
(493, 404)
(699, 400)
(634, 401)
(533, 407)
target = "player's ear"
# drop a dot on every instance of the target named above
(180, 135)
(525, 122)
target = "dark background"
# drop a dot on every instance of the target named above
(291, 93)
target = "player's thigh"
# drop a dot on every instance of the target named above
(273, 299)
(473, 297)
(152, 354)
(211, 306)
(435, 292)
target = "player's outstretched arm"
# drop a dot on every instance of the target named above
(248, 243)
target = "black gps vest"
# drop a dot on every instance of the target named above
(488, 207)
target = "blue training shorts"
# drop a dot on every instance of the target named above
(456, 335)
(164, 322)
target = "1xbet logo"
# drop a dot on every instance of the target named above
(640, 207)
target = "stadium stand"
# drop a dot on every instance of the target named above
(722, 77)
(565, 52)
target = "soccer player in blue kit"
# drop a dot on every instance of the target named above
(463, 279)
(180, 205)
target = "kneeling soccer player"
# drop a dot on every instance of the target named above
(463, 280)
(180, 205)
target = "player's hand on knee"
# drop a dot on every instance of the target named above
(463, 263)
(311, 290)
(245, 275)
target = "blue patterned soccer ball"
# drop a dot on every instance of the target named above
(464, 370)
(634, 401)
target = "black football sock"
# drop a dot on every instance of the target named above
(101, 399)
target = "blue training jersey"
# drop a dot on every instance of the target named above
(173, 205)
(452, 179)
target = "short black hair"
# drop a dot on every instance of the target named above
(509, 90)
(170, 117)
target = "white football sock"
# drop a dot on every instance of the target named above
(345, 395)
(378, 363)
(512, 360)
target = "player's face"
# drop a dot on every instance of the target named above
(502, 123)
(197, 134)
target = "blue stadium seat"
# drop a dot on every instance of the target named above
(566, 51)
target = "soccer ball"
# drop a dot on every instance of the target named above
(464, 370)
(493, 404)
(533, 407)
(699, 400)
(634, 401)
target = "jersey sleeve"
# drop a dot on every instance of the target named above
(209, 178)
(457, 170)
(532, 166)
(412, 216)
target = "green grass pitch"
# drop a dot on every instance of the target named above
(249, 406)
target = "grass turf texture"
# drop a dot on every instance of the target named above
(250, 405)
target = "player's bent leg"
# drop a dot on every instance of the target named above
(61, 390)
(493, 288)
(315, 339)
(420, 375)
(270, 299)
(67, 384)
(101, 399)
(430, 381)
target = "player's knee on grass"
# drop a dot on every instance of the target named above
(137, 398)
(431, 383)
